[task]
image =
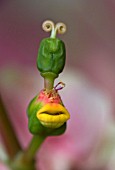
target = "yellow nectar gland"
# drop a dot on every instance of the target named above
(53, 115)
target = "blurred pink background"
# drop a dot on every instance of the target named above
(89, 74)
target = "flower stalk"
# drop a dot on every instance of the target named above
(34, 145)
(10, 140)
(25, 160)
(48, 80)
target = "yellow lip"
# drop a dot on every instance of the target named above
(53, 115)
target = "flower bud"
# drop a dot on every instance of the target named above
(51, 56)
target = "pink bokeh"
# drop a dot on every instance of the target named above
(89, 75)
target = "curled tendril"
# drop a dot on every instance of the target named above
(59, 28)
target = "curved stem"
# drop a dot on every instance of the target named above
(7, 132)
(34, 145)
(25, 160)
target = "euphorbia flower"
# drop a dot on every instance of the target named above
(53, 114)
(100, 74)
(48, 110)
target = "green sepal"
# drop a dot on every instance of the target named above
(51, 56)
(34, 125)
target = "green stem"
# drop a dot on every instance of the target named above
(34, 145)
(7, 132)
(25, 160)
(49, 78)
(48, 83)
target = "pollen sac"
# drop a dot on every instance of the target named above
(51, 56)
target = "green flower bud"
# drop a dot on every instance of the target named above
(51, 56)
